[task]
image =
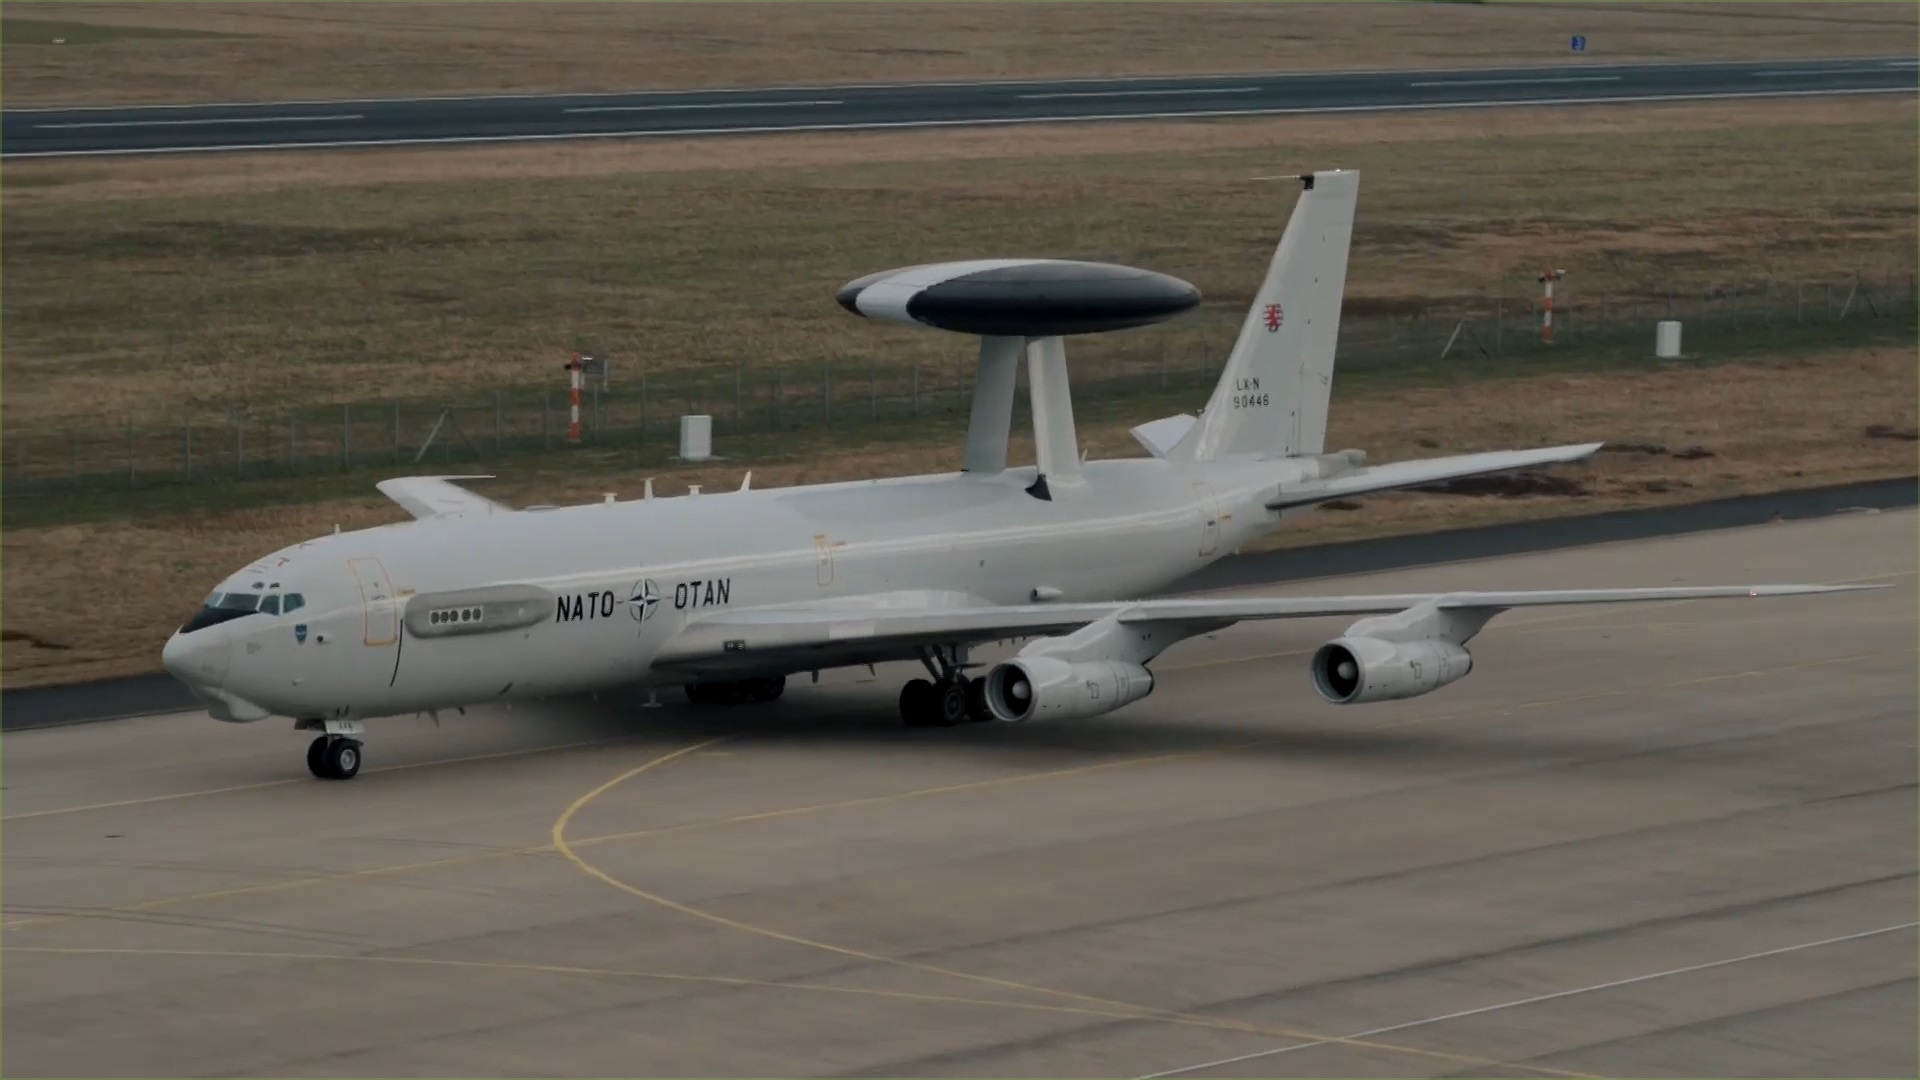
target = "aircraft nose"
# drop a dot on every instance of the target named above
(197, 658)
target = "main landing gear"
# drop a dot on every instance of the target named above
(335, 755)
(733, 693)
(950, 697)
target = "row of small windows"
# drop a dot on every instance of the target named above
(454, 615)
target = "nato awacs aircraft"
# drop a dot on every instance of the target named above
(728, 593)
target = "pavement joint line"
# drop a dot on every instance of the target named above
(1147, 1012)
(568, 969)
(870, 800)
(1540, 998)
(146, 800)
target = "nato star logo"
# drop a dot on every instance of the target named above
(644, 598)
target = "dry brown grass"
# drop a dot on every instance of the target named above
(167, 289)
(321, 50)
(1789, 423)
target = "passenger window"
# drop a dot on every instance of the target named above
(294, 602)
(270, 605)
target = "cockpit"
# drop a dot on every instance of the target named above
(263, 599)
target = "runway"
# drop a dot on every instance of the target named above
(349, 123)
(1671, 839)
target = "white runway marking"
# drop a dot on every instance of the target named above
(1802, 72)
(699, 105)
(1141, 93)
(1520, 82)
(1535, 1000)
(208, 120)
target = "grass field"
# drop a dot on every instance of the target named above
(181, 289)
(144, 52)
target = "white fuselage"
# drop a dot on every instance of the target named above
(625, 577)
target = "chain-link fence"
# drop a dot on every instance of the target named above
(1503, 338)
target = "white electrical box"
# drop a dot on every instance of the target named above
(1666, 340)
(696, 438)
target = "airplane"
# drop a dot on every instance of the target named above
(729, 593)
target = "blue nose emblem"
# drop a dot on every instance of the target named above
(299, 633)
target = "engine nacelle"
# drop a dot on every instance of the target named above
(1350, 670)
(1046, 688)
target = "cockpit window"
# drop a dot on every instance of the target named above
(293, 602)
(221, 607)
(270, 605)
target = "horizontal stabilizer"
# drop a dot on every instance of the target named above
(434, 496)
(1406, 474)
(1162, 435)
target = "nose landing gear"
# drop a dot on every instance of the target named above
(335, 755)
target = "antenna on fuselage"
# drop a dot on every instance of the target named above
(746, 482)
(1016, 307)
(648, 492)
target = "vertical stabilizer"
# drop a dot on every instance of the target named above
(1272, 398)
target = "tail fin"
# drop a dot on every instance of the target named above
(1272, 398)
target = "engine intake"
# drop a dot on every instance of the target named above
(1350, 670)
(1042, 687)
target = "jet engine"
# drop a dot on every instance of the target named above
(1044, 687)
(1350, 670)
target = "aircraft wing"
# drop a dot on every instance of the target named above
(799, 638)
(1405, 474)
(434, 496)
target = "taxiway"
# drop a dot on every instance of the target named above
(349, 123)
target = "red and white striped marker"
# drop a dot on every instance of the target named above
(574, 367)
(1547, 278)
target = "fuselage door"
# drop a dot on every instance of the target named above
(377, 603)
(1209, 517)
(822, 561)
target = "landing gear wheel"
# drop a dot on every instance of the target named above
(715, 693)
(951, 703)
(917, 702)
(343, 759)
(767, 689)
(334, 757)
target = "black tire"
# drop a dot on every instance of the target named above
(317, 758)
(950, 703)
(767, 689)
(729, 693)
(917, 703)
(699, 693)
(342, 759)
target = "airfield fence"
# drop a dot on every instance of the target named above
(235, 442)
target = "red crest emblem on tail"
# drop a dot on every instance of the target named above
(1274, 317)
